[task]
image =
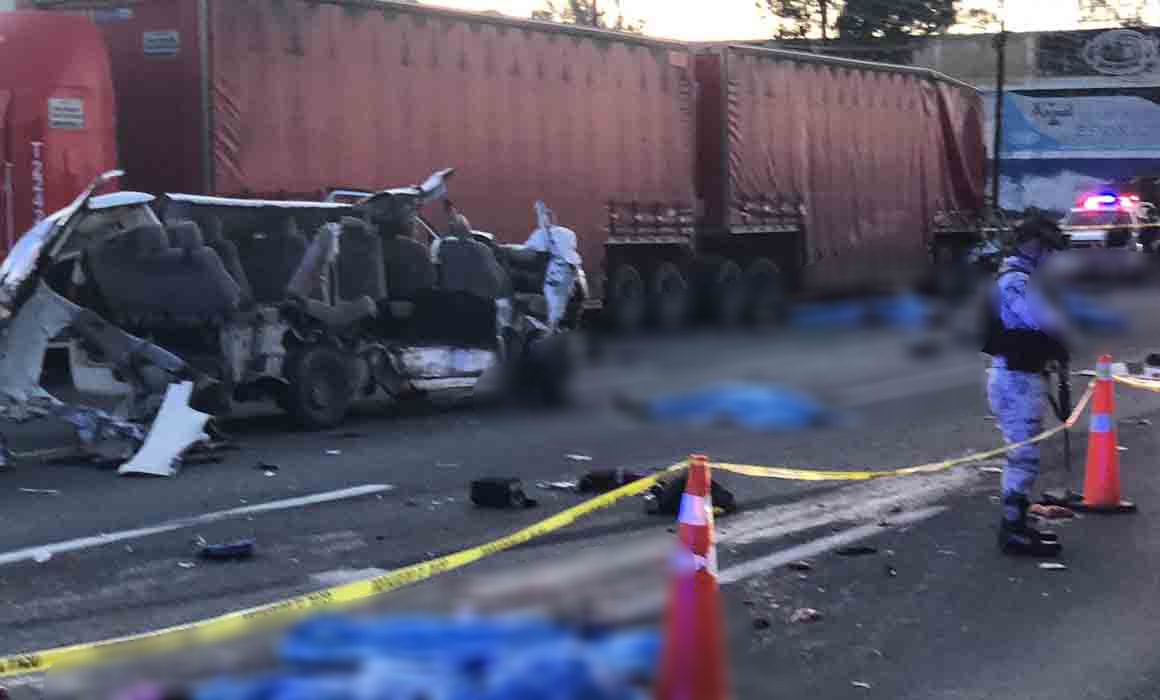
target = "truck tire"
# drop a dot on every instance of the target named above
(724, 292)
(668, 302)
(319, 390)
(626, 298)
(764, 292)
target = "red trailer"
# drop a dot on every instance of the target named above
(289, 99)
(713, 178)
(57, 128)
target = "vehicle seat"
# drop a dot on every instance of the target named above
(471, 267)
(527, 268)
(309, 280)
(270, 261)
(408, 267)
(140, 277)
(361, 268)
(227, 250)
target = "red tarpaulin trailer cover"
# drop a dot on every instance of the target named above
(873, 152)
(303, 96)
(57, 129)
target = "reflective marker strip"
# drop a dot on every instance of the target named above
(693, 511)
(1101, 423)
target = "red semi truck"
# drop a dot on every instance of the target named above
(707, 178)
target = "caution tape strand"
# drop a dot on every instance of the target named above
(235, 624)
(792, 474)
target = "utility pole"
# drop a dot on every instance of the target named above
(825, 18)
(1000, 85)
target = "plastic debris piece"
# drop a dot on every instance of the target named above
(333, 453)
(891, 571)
(805, 615)
(41, 492)
(860, 684)
(557, 485)
(576, 457)
(1052, 566)
(229, 551)
(855, 551)
(991, 470)
(186, 564)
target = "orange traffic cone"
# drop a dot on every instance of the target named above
(693, 663)
(1101, 489)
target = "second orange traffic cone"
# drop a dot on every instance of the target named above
(693, 661)
(1101, 489)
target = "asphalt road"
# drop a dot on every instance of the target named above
(892, 409)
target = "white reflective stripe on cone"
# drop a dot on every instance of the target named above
(694, 511)
(1101, 423)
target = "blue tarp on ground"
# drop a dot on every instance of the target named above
(416, 658)
(752, 406)
(902, 311)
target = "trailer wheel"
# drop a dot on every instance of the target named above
(725, 293)
(765, 295)
(626, 298)
(319, 390)
(668, 301)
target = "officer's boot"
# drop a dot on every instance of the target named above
(1019, 538)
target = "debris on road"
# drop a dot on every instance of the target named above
(267, 469)
(577, 457)
(570, 486)
(1052, 566)
(41, 492)
(605, 480)
(800, 565)
(891, 571)
(230, 551)
(991, 470)
(500, 492)
(805, 615)
(664, 497)
(186, 564)
(1049, 512)
(333, 453)
(855, 551)
(860, 684)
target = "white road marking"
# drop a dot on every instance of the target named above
(820, 546)
(34, 553)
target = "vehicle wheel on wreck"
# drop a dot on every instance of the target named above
(319, 389)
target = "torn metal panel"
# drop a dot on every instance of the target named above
(176, 428)
(23, 344)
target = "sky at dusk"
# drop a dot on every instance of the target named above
(705, 20)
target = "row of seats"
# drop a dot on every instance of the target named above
(191, 271)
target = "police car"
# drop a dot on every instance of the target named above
(1108, 236)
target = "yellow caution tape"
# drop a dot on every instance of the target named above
(234, 624)
(1139, 383)
(822, 475)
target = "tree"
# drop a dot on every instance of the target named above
(1127, 13)
(588, 13)
(860, 20)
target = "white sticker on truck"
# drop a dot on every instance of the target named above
(66, 113)
(163, 43)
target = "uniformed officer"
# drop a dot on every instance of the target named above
(1024, 335)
